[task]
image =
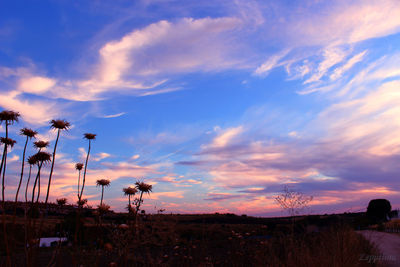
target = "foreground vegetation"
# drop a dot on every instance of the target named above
(197, 240)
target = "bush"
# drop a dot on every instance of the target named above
(378, 210)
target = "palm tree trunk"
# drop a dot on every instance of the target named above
(22, 170)
(4, 172)
(102, 193)
(36, 181)
(3, 166)
(38, 187)
(79, 181)
(25, 215)
(52, 167)
(19, 185)
(84, 172)
(27, 184)
(140, 201)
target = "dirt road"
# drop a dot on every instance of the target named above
(387, 243)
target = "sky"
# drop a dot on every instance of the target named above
(217, 104)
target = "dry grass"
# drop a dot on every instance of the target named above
(168, 240)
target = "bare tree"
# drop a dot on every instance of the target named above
(293, 202)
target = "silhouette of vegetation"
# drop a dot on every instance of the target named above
(103, 183)
(378, 210)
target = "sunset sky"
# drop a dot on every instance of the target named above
(217, 104)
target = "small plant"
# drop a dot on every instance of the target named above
(61, 201)
(293, 202)
(78, 167)
(143, 188)
(103, 208)
(129, 191)
(103, 183)
(82, 202)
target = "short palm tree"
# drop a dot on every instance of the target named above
(32, 161)
(90, 137)
(29, 133)
(41, 158)
(59, 125)
(78, 167)
(40, 145)
(143, 188)
(129, 191)
(103, 183)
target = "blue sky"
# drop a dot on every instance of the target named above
(218, 104)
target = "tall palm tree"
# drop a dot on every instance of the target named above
(129, 191)
(103, 183)
(8, 117)
(7, 142)
(90, 137)
(59, 125)
(78, 167)
(29, 133)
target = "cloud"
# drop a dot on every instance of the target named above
(36, 84)
(343, 22)
(135, 157)
(338, 72)
(34, 112)
(225, 137)
(272, 62)
(173, 194)
(332, 56)
(114, 115)
(100, 156)
(163, 47)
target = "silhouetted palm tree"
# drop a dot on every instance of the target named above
(59, 125)
(78, 167)
(41, 158)
(129, 191)
(8, 117)
(40, 145)
(32, 161)
(143, 188)
(102, 183)
(90, 137)
(29, 133)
